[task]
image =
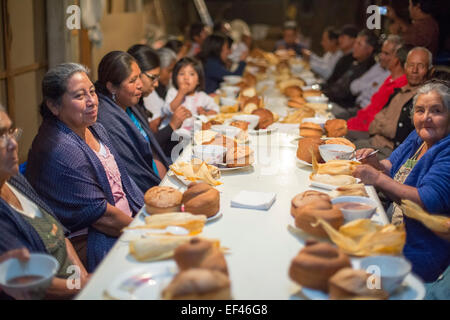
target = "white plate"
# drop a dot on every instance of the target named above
(214, 217)
(262, 131)
(303, 163)
(327, 186)
(411, 289)
(141, 284)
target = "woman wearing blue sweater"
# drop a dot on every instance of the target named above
(214, 55)
(419, 170)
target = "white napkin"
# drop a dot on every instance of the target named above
(254, 200)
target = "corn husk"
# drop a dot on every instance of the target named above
(356, 189)
(159, 247)
(365, 238)
(191, 222)
(334, 167)
(194, 172)
(433, 222)
(334, 180)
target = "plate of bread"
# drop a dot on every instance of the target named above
(199, 202)
(348, 284)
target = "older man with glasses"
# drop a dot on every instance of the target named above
(392, 124)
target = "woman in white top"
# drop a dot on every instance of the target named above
(324, 65)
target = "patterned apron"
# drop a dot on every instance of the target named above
(400, 177)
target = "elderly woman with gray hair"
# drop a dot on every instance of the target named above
(419, 170)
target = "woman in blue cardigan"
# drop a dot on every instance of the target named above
(419, 170)
(214, 55)
(75, 168)
(119, 89)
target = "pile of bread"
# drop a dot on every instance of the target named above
(203, 273)
(198, 199)
(237, 155)
(322, 266)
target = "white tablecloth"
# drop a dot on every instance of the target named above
(261, 247)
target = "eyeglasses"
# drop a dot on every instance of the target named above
(13, 133)
(152, 77)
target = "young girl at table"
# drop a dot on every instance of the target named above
(188, 82)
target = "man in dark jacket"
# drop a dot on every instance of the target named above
(364, 49)
(347, 36)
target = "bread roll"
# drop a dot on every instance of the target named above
(162, 199)
(306, 145)
(298, 102)
(309, 213)
(200, 253)
(336, 128)
(316, 263)
(307, 197)
(265, 118)
(241, 156)
(201, 198)
(198, 284)
(293, 92)
(310, 130)
(243, 125)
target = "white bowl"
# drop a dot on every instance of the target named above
(320, 121)
(211, 154)
(227, 101)
(354, 214)
(230, 91)
(335, 152)
(252, 120)
(317, 99)
(43, 266)
(392, 270)
(232, 79)
(229, 131)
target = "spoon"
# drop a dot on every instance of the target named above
(369, 155)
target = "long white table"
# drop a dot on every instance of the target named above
(261, 247)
